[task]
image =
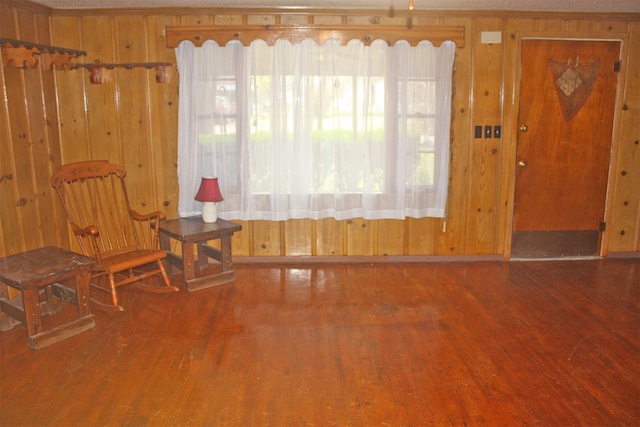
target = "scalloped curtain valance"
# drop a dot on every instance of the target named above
(246, 34)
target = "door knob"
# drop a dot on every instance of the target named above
(522, 164)
(524, 128)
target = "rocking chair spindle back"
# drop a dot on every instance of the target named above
(123, 241)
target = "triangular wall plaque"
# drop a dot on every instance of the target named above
(574, 84)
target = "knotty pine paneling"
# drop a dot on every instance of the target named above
(391, 237)
(36, 196)
(485, 153)
(10, 232)
(131, 119)
(452, 241)
(241, 242)
(21, 150)
(52, 157)
(266, 238)
(28, 149)
(164, 119)
(360, 237)
(133, 112)
(297, 235)
(224, 19)
(71, 88)
(195, 20)
(262, 20)
(625, 207)
(101, 118)
(581, 25)
(329, 237)
(88, 123)
(121, 125)
(422, 235)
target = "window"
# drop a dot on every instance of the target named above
(309, 131)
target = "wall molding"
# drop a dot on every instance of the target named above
(381, 259)
(29, 5)
(293, 11)
(246, 34)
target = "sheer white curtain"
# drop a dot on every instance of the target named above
(309, 131)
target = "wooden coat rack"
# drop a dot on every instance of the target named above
(97, 70)
(21, 54)
(25, 55)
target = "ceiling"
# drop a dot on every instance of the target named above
(516, 5)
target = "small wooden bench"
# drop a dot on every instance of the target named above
(38, 269)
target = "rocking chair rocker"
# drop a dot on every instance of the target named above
(124, 242)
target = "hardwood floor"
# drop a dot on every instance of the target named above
(485, 343)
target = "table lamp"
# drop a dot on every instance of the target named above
(209, 194)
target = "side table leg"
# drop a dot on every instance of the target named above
(225, 253)
(188, 261)
(203, 259)
(165, 242)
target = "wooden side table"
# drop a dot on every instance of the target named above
(192, 232)
(31, 271)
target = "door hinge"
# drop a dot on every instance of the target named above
(616, 66)
(603, 226)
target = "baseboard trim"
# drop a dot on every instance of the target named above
(408, 259)
(399, 259)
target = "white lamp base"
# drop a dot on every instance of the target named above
(209, 212)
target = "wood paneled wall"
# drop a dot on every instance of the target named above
(29, 142)
(53, 117)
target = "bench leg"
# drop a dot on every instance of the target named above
(31, 304)
(6, 321)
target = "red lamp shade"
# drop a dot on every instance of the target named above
(209, 191)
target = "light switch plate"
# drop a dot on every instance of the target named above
(478, 131)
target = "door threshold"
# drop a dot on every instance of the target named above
(563, 244)
(558, 258)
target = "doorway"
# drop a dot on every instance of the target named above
(565, 124)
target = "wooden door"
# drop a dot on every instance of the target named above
(565, 123)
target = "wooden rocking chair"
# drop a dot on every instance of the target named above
(124, 242)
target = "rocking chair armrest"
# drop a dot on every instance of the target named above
(157, 215)
(91, 230)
